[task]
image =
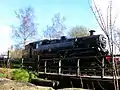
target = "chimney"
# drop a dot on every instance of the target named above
(92, 32)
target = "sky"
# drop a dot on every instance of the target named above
(76, 12)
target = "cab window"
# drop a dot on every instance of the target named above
(38, 44)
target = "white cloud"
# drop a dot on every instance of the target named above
(5, 38)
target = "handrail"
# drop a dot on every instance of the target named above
(82, 57)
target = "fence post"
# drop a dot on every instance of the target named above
(38, 63)
(45, 66)
(8, 59)
(22, 63)
(59, 72)
(78, 67)
(103, 72)
(78, 72)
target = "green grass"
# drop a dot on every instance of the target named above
(2, 75)
(17, 74)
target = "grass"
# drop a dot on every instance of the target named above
(20, 78)
(16, 74)
(2, 75)
(5, 73)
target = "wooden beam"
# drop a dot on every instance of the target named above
(78, 67)
(45, 67)
(42, 82)
(59, 72)
(38, 61)
(103, 71)
(22, 62)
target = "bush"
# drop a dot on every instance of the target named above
(20, 75)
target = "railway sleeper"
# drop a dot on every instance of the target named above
(44, 82)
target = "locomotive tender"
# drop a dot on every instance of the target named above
(92, 45)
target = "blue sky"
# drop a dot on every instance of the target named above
(77, 12)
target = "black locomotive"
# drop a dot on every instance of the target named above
(81, 46)
(92, 45)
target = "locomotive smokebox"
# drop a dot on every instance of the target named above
(92, 32)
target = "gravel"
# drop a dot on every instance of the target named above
(6, 84)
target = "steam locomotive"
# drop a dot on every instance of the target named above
(81, 46)
(92, 45)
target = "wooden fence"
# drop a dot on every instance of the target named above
(56, 65)
(10, 63)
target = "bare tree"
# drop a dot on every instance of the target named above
(26, 28)
(78, 31)
(117, 38)
(16, 54)
(57, 27)
(107, 27)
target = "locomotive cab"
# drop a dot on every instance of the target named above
(27, 52)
